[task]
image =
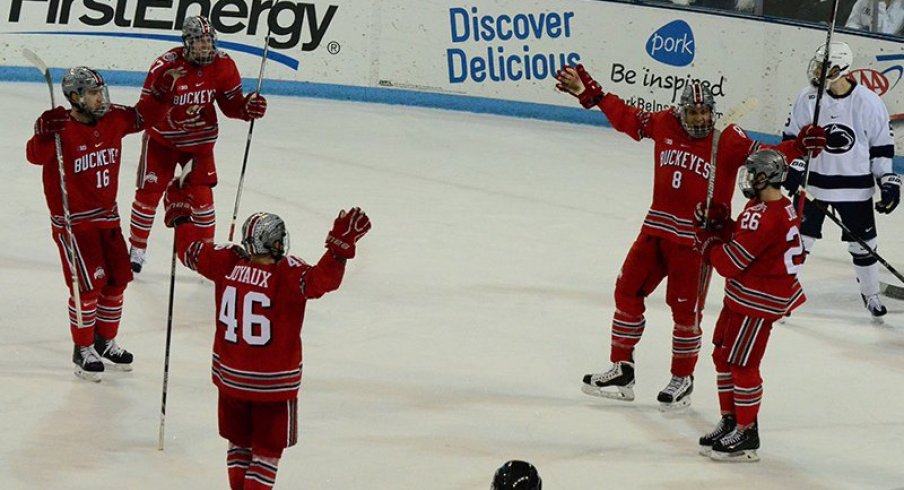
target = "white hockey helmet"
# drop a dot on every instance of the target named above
(840, 60)
(79, 81)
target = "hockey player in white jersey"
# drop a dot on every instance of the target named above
(858, 156)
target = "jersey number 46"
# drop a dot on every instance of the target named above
(255, 327)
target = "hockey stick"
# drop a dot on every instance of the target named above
(169, 322)
(238, 192)
(891, 290)
(820, 91)
(64, 193)
(731, 117)
(822, 207)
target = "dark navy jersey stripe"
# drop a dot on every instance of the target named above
(841, 181)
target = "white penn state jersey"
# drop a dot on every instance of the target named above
(859, 147)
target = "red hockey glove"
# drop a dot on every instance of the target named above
(177, 203)
(705, 240)
(348, 228)
(577, 82)
(811, 139)
(718, 218)
(51, 122)
(255, 106)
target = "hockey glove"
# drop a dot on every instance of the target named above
(795, 176)
(811, 139)
(718, 218)
(177, 203)
(705, 240)
(51, 122)
(255, 106)
(890, 185)
(348, 228)
(577, 82)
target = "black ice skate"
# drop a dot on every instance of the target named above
(113, 352)
(875, 307)
(87, 363)
(677, 394)
(617, 383)
(723, 428)
(737, 446)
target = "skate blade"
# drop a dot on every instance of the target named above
(624, 393)
(747, 456)
(705, 451)
(678, 406)
(117, 367)
(92, 376)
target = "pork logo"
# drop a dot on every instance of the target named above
(673, 44)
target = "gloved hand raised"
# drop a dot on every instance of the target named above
(348, 228)
(577, 82)
(51, 122)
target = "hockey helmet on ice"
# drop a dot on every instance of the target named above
(199, 40)
(265, 234)
(517, 475)
(762, 168)
(83, 81)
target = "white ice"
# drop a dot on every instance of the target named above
(461, 333)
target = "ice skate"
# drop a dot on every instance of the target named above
(726, 424)
(677, 394)
(137, 257)
(617, 383)
(875, 307)
(737, 446)
(87, 362)
(120, 358)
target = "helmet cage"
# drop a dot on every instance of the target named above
(265, 234)
(194, 30)
(79, 81)
(763, 168)
(695, 94)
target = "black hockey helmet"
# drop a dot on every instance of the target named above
(517, 475)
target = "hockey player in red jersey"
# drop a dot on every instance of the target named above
(759, 260)
(260, 297)
(90, 135)
(189, 130)
(683, 154)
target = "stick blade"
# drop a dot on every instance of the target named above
(35, 60)
(891, 290)
(737, 112)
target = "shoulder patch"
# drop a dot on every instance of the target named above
(169, 56)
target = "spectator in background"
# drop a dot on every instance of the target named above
(890, 18)
(809, 10)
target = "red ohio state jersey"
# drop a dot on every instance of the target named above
(193, 97)
(91, 160)
(761, 261)
(257, 351)
(683, 165)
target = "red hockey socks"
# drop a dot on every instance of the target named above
(143, 210)
(261, 474)
(237, 461)
(83, 336)
(686, 342)
(109, 313)
(626, 333)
